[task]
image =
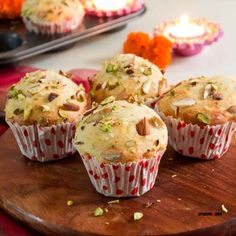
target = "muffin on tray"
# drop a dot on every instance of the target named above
(129, 77)
(42, 109)
(121, 145)
(200, 114)
(52, 16)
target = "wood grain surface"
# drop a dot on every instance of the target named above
(37, 194)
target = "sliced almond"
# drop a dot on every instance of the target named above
(207, 91)
(45, 108)
(62, 113)
(143, 127)
(70, 107)
(64, 74)
(104, 85)
(185, 102)
(112, 155)
(155, 122)
(146, 86)
(232, 109)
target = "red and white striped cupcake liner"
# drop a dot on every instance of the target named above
(123, 179)
(132, 7)
(44, 143)
(207, 142)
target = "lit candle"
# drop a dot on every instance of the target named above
(186, 29)
(110, 5)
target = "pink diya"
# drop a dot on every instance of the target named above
(189, 37)
(109, 8)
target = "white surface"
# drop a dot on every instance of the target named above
(220, 58)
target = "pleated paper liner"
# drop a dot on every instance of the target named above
(44, 143)
(123, 179)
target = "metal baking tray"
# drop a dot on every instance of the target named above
(16, 43)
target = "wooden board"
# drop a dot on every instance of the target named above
(37, 193)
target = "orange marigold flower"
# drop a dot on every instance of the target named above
(10, 9)
(136, 43)
(159, 51)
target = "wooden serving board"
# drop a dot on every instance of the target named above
(37, 194)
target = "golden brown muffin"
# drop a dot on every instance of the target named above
(128, 77)
(118, 131)
(45, 98)
(202, 100)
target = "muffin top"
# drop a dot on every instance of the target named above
(40, 11)
(128, 77)
(45, 98)
(118, 131)
(202, 101)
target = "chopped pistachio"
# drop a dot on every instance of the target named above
(92, 93)
(108, 100)
(202, 118)
(98, 211)
(105, 127)
(147, 71)
(69, 203)
(224, 209)
(138, 215)
(114, 201)
(114, 108)
(20, 96)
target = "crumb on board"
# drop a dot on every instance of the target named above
(224, 209)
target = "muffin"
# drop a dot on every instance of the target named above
(121, 145)
(52, 16)
(200, 114)
(128, 77)
(41, 110)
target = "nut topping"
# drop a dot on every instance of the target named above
(232, 109)
(202, 118)
(52, 96)
(98, 87)
(185, 102)
(143, 127)
(112, 155)
(70, 107)
(207, 91)
(146, 86)
(217, 96)
(64, 74)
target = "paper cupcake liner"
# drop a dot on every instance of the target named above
(44, 143)
(123, 180)
(55, 27)
(207, 142)
(135, 6)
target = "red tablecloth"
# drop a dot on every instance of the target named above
(8, 226)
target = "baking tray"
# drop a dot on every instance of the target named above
(16, 43)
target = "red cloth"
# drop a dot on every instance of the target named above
(9, 76)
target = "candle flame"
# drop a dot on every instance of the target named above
(184, 20)
(110, 5)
